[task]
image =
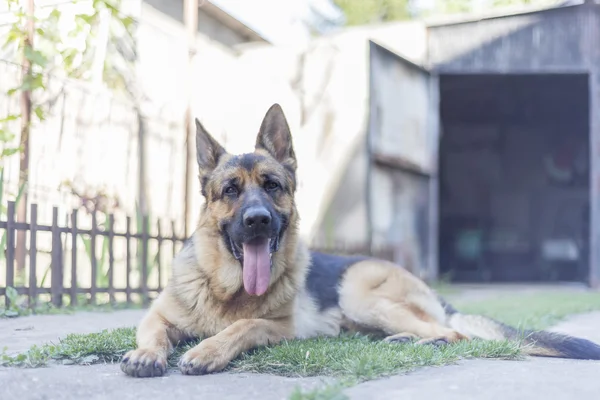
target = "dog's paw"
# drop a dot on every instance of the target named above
(144, 363)
(401, 338)
(439, 341)
(207, 357)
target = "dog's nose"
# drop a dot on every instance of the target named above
(257, 218)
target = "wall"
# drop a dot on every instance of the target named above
(538, 41)
(90, 140)
(403, 132)
(323, 88)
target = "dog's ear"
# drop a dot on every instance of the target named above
(208, 150)
(275, 137)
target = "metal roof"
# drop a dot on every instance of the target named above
(231, 22)
(504, 12)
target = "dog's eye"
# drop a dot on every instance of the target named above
(230, 190)
(271, 185)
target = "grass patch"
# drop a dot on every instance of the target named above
(105, 346)
(533, 311)
(361, 358)
(349, 358)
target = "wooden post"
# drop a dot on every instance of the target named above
(24, 141)
(159, 240)
(33, 258)
(10, 246)
(190, 16)
(128, 260)
(56, 285)
(111, 259)
(74, 234)
(144, 266)
(591, 37)
(94, 260)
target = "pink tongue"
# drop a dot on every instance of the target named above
(257, 268)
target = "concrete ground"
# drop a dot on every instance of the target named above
(533, 378)
(19, 334)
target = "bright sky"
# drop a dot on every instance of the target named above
(280, 24)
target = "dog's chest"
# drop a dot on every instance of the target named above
(309, 321)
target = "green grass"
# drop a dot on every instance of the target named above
(105, 346)
(361, 358)
(350, 359)
(348, 356)
(533, 311)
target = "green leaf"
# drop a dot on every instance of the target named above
(40, 31)
(12, 36)
(127, 22)
(10, 117)
(68, 57)
(37, 82)
(12, 91)
(6, 136)
(11, 293)
(2, 245)
(46, 272)
(88, 19)
(9, 152)
(55, 13)
(35, 57)
(39, 112)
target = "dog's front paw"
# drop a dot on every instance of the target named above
(207, 357)
(144, 363)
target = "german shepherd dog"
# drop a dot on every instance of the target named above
(244, 279)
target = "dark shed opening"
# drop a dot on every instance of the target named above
(514, 177)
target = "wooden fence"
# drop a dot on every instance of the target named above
(65, 236)
(71, 232)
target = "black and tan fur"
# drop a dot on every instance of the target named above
(309, 294)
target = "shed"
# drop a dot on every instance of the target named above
(499, 134)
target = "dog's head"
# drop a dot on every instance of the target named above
(249, 198)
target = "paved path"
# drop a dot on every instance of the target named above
(532, 379)
(105, 382)
(475, 379)
(19, 334)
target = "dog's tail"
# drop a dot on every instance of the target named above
(535, 343)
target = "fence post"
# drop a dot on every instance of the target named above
(10, 249)
(93, 283)
(56, 287)
(74, 257)
(173, 238)
(159, 240)
(144, 266)
(33, 258)
(111, 258)
(128, 260)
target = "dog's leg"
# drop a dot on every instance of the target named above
(401, 324)
(214, 354)
(383, 296)
(155, 340)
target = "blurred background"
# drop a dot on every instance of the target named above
(451, 136)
